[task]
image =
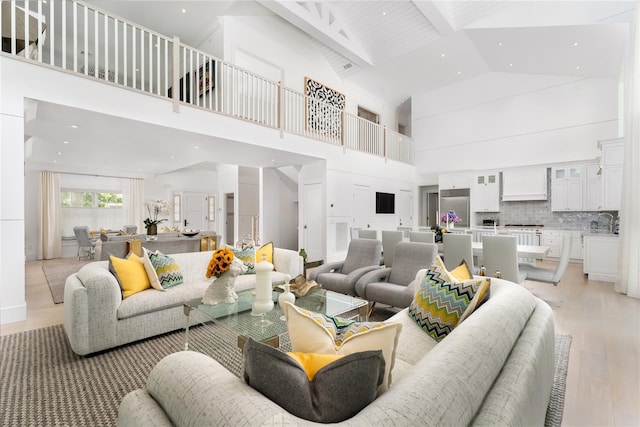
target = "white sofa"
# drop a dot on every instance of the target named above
(96, 317)
(495, 369)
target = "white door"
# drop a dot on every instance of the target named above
(312, 240)
(362, 206)
(405, 218)
(195, 211)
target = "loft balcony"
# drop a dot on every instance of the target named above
(79, 38)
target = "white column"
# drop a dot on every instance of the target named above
(13, 306)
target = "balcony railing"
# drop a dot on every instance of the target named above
(83, 39)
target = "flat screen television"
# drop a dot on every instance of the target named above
(385, 203)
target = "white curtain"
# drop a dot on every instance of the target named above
(135, 203)
(629, 247)
(50, 230)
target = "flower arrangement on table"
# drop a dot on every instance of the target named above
(155, 207)
(450, 216)
(220, 262)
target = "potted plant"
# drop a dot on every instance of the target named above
(154, 208)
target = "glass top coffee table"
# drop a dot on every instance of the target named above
(237, 316)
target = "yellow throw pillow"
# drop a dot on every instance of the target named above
(312, 332)
(266, 249)
(462, 272)
(313, 362)
(130, 273)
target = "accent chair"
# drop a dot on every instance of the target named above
(395, 286)
(363, 255)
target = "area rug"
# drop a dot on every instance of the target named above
(555, 408)
(45, 384)
(56, 275)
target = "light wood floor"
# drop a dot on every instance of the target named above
(603, 381)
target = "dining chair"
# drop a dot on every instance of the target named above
(455, 248)
(422, 236)
(548, 275)
(389, 241)
(130, 229)
(525, 237)
(84, 241)
(500, 253)
(367, 234)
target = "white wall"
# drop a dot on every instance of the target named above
(227, 183)
(276, 42)
(279, 209)
(502, 120)
(13, 306)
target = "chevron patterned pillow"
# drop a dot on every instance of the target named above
(441, 302)
(167, 270)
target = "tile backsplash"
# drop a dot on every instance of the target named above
(539, 212)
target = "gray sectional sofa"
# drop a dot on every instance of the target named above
(96, 317)
(495, 369)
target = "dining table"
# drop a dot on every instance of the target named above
(524, 251)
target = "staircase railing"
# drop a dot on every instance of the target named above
(83, 39)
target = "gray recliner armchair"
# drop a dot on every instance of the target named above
(392, 286)
(363, 256)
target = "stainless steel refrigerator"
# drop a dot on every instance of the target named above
(457, 200)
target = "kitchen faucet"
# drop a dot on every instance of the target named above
(610, 220)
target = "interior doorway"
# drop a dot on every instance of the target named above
(428, 206)
(230, 219)
(195, 210)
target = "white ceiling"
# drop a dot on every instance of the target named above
(396, 49)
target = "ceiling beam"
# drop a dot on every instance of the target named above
(437, 14)
(321, 21)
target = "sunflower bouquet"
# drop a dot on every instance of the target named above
(220, 262)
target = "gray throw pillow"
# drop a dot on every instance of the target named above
(338, 391)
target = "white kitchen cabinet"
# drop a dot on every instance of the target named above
(612, 161)
(450, 181)
(524, 184)
(553, 239)
(611, 187)
(601, 257)
(593, 193)
(485, 192)
(567, 186)
(576, 245)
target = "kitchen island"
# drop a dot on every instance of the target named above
(601, 256)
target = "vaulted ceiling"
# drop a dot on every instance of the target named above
(397, 49)
(391, 49)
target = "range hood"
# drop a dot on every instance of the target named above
(520, 184)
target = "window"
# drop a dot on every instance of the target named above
(176, 208)
(87, 199)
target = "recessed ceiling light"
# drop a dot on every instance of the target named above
(196, 147)
(459, 72)
(577, 67)
(59, 153)
(137, 70)
(184, 10)
(55, 161)
(384, 13)
(173, 157)
(499, 43)
(74, 126)
(510, 64)
(442, 55)
(65, 142)
(575, 43)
